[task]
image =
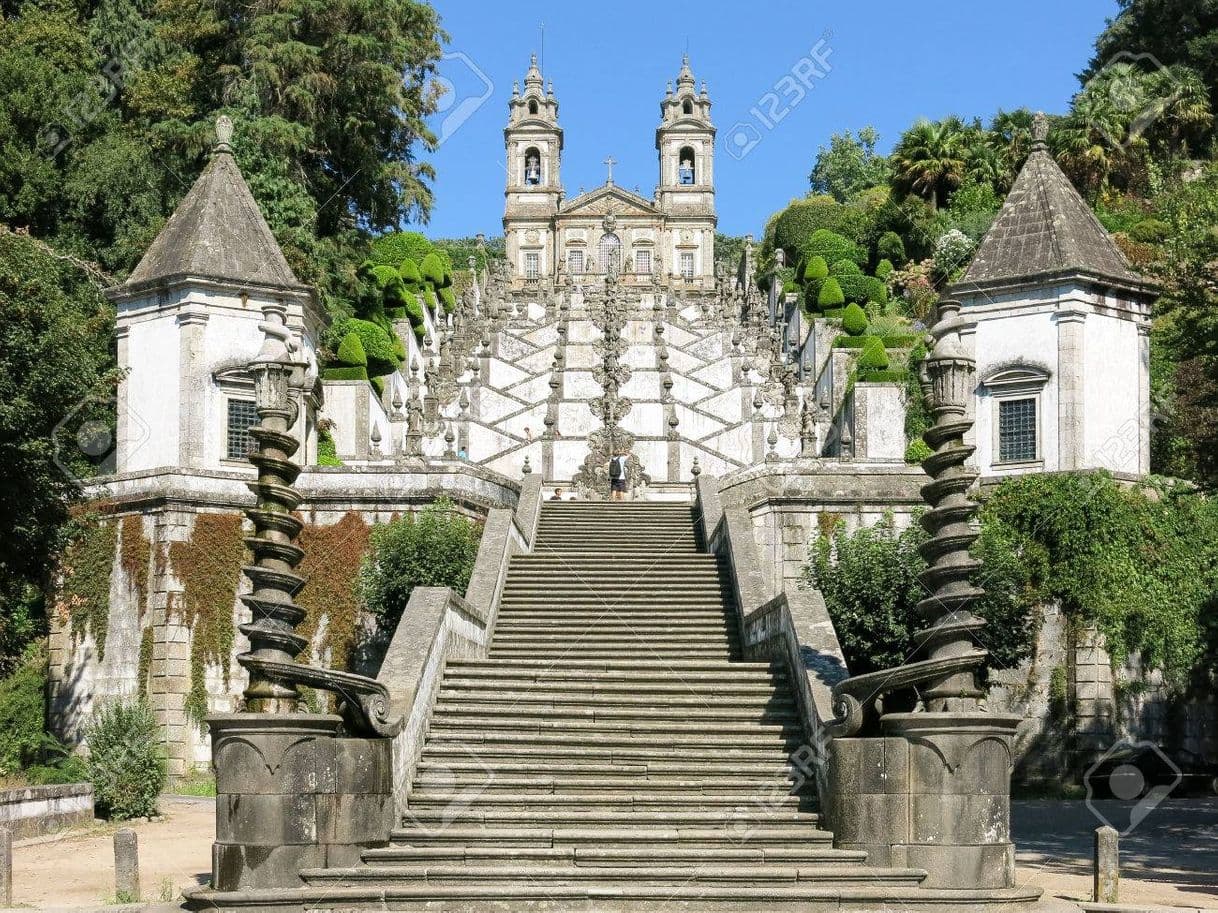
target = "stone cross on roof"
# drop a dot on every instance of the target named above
(610, 161)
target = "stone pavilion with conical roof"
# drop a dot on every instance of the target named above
(188, 324)
(1060, 330)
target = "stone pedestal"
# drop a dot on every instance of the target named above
(933, 793)
(291, 794)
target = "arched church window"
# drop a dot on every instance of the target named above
(610, 252)
(685, 170)
(532, 106)
(688, 107)
(532, 166)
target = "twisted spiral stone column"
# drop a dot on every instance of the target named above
(949, 373)
(275, 615)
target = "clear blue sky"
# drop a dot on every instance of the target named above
(891, 62)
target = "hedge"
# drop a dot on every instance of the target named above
(854, 320)
(816, 269)
(884, 269)
(448, 299)
(875, 290)
(345, 372)
(898, 341)
(392, 248)
(409, 271)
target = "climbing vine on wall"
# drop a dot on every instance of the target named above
(208, 565)
(135, 555)
(333, 554)
(83, 596)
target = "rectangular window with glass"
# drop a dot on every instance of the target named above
(575, 261)
(531, 266)
(642, 262)
(241, 417)
(1017, 430)
(687, 265)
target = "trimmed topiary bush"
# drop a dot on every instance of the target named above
(815, 270)
(875, 290)
(351, 350)
(432, 269)
(830, 295)
(1150, 231)
(378, 347)
(854, 321)
(409, 271)
(448, 299)
(874, 357)
(883, 269)
(378, 384)
(832, 247)
(851, 279)
(392, 248)
(890, 247)
(126, 761)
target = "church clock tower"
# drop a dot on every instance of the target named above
(533, 140)
(685, 141)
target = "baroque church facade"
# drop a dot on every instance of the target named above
(669, 237)
(607, 329)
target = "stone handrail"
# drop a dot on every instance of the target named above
(438, 625)
(791, 628)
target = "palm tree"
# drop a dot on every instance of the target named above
(929, 161)
(1010, 138)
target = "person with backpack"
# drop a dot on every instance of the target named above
(617, 476)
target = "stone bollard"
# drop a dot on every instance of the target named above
(126, 866)
(1107, 865)
(6, 867)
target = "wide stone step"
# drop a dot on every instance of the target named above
(520, 625)
(735, 821)
(688, 782)
(616, 896)
(642, 722)
(673, 670)
(613, 740)
(557, 713)
(494, 700)
(611, 688)
(642, 854)
(600, 751)
(541, 656)
(802, 832)
(507, 769)
(681, 876)
(628, 641)
(747, 805)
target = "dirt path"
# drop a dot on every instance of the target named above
(76, 869)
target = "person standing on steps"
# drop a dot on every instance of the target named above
(557, 496)
(617, 476)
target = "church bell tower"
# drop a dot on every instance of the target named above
(533, 141)
(685, 141)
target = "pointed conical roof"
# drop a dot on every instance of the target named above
(1046, 229)
(216, 232)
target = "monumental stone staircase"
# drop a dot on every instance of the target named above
(613, 752)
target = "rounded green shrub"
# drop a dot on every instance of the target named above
(854, 321)
(436, 547)
(851, 279)
(378, 384)
(432, 269)
(378, 347)
(832, 247)
(890, 247)
(1150, 231)
(351, 350)
(392, 248)
(875, 290)
(873, 357)
(830, 295)
(126, 761)
(816, 269)
(448, 298)
(884, 269)
(409, 271)
(845, 268)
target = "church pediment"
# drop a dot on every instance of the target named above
(609, 200)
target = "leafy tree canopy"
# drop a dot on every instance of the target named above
(849, 165)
